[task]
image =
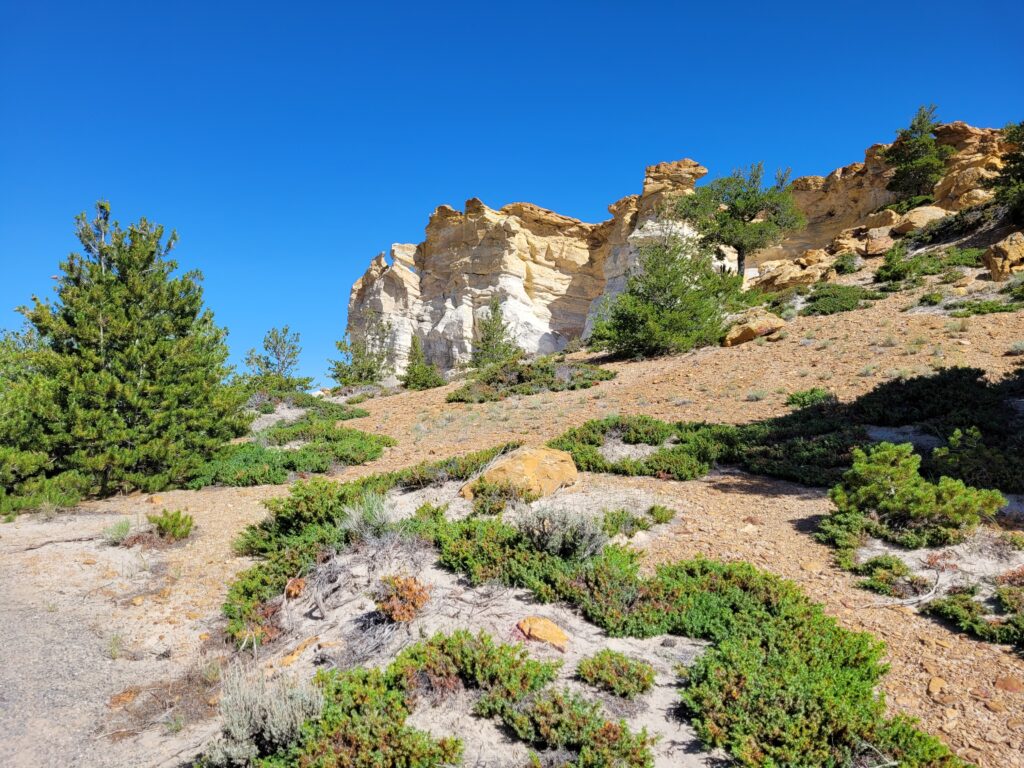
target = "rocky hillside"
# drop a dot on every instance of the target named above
(551, 272)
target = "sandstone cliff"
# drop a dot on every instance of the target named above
(552, 272)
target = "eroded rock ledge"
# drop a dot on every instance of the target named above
(551, 272)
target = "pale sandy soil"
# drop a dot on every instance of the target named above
(65, 602)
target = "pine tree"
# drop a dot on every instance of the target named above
(740, 212)
(918, 158)
(419, 374)
(134, 364)
(364, 354)
(494, 343)
(273, 371)
(1009, 182)
(674, 300)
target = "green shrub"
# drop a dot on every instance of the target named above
(931, 299)
(362, 725)
(971, 308)
(905, 206)
(492, 498)
(419, 374)
(888, 575)
(568, 535)
(690, 457)
(830, 298)
(661, 515)
(847, 263)
(617, 673)
(118, 532)
(616, 521)
(1009, 182)
(963, 610)
(364, 351)
(884, 495)
(519, 377)
(505, 674)
(918, 159)
(674, 301)
(493, 343)
(175, 526)
(314, 517)
(808, 397)
(967, 457)
(560, 719)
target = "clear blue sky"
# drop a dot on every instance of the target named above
(290, 142)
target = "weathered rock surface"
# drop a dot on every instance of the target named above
(752, 324)
(1005, 257)
(850, 197)
(550, 271)
(918, 218)
(544, 630)
(541, 471)
(813, 267)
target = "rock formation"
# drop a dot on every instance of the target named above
(550, 271)
(842, 209)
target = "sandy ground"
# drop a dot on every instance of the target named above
(67, 605)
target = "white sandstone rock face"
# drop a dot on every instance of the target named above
(549, 271)
(552, 273)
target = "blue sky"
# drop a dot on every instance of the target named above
(289, 142)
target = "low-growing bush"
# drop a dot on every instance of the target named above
(831, 298)
(661, 515)
(884, 495)
(491, 498)
(520, 377)
(559, 532)
(808, 397)
(622, 521)
(847, 263)
(260, 716)
(362, 725)
(962, 608)
(118, 532)
(174, 526)
(401, 598)
(888, 575)
(617, 673)
(968, 457)
(560, 719)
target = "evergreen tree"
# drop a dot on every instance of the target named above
(494, 343)
(918, 158)
(364, 354)
(674, 300)
(738, 211)
(274, 369)
(419, 374)
(132, 367)
(1009, 184)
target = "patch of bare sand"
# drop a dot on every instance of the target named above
(85, 621)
